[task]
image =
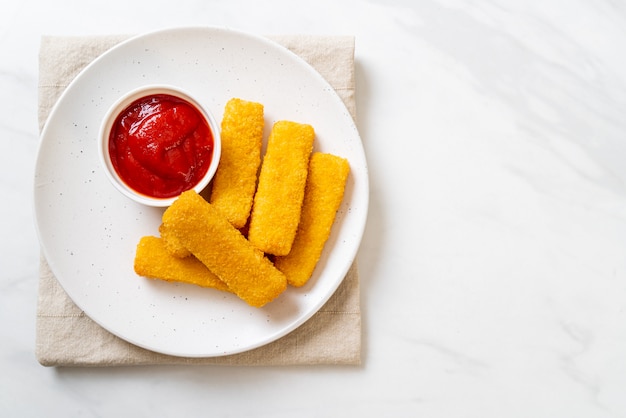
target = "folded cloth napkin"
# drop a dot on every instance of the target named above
(68, 337)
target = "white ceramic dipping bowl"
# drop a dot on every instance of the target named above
(120, 106)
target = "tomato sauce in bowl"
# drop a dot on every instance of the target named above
(158, 143)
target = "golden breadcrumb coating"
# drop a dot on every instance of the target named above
(208, 235)
(173, 244)
(235, 180)
(154, 261)
(324, 192)
(278, 200)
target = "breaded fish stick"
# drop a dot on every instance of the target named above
(172, 243)
(209, 236)
(235, 180)
(324, 192)
(278, 200)
(154, 261)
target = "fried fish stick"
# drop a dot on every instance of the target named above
(172, 243)
(324, 192)
(154, 261)
(235, 180)
(278, 200)
(209, 236)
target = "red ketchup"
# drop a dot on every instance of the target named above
(161, 145)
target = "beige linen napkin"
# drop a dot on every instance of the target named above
(67, 337)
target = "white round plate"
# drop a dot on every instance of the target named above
(89, 231)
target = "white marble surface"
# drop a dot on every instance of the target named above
(493, 266)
